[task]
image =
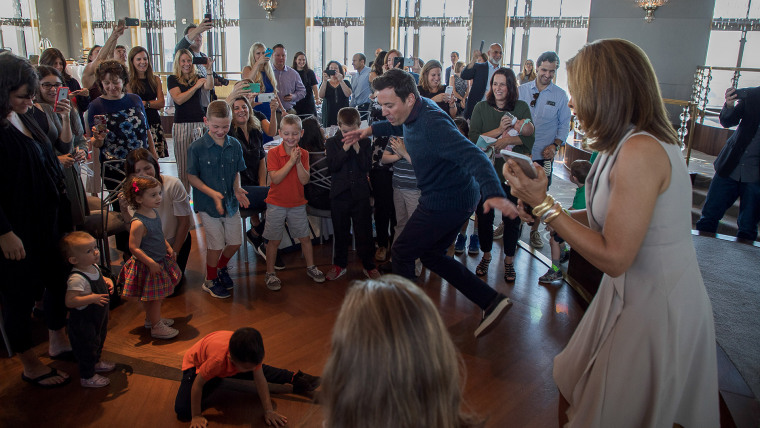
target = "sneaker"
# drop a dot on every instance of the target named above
(254, 240)
(474, 247)
(168, 321)
(215, 288)
(498, 233)
(104, 366)
(335, 272)
(163, 331)
(551, 275)
(304, 383)
(314, 273)
(493, 314)
(460, 245)
(417, 267)
(372, 273)
(535, 239)
(564, 255)
(278, 263)
(381, 254)
(272, 282)
(224, 277)
(96, 381)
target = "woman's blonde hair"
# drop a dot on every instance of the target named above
(268, 70)
(253, 121)
(613, 85)
(177, 70)
(426, 69)
(530, 76)
(392, 363)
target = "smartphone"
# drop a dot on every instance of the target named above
(266, 97)
(253, 87)
(408, 62)
(526, 163)
(482, 45)
(200, 60)
(268, 53)
(207, 17)
(330, 72)
(132, 22)
(61, 94)
(100, 122)
(397, 62)
(742, 94)
(449, 90)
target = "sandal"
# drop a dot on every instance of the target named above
(482, 267)
(38, 380)
(509, 272)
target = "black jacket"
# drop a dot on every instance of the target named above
(746, 113)
(478, 73)
(349, 170)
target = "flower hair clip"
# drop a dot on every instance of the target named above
(134, 186)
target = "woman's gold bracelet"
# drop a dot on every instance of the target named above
(544, 206)
(554, 213)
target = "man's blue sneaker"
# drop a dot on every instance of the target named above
(474, 245)
(215, 288)
(460, 244)
(224, 277)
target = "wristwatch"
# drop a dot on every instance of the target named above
(556, 145)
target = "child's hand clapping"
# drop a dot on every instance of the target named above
(295, 155)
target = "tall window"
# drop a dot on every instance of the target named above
(158, 31)
(102, 19)
(734, 42)
(537, 26)
(16, 31)
(335, 31)
(223, 41)
(432, 29)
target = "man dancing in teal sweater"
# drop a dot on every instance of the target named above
(452, 175)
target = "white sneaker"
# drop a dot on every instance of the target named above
(535, 239)
(96, 381)
(168, 321)
(163, 331)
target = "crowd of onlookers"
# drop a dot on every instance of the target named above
(325, 161)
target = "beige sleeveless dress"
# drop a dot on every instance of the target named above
(644, 354)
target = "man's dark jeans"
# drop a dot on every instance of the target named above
(722, 194)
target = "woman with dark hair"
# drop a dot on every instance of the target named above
(148, 87)
(430, 87)
(503, 117)
(175, 211)
(313, 141)
(334, 92)
(377, 66)
(29, 232)
(54, 58)
(308, 104)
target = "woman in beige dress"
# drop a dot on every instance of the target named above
(644, 353)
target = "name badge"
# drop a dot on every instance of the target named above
(551, 103)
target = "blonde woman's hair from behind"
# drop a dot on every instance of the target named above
(392, 362)
(613, 84)
(268, 70)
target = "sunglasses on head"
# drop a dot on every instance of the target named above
(535, 98)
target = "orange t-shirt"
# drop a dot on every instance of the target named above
(210, 356)
(289, 192)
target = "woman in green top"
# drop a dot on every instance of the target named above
(489, 119)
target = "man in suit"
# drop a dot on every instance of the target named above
(454, 59)
(737, 168)
(480, 74)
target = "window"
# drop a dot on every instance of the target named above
(158, 31)
(102, 19)
(335, 32)
(16, 31)
(223, 41)
(432, 29)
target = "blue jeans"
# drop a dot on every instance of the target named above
(722, 194)
(427, 236)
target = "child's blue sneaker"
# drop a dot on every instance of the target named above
(215, 288)
(460, 244)
(224, 277)
(474, 245)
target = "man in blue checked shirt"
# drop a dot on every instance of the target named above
(551, 118)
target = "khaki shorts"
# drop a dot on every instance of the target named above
(298, 222)
(222, 231)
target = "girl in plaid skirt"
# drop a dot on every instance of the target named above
(152, 272)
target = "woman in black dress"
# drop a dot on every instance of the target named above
(147, 86)
(308, 104)
(334, 92)
(29, 207)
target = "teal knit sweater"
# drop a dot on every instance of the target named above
(452, 173)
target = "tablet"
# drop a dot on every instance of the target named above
(526, 163)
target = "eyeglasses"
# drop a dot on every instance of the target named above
(48, 86)
(535, 98)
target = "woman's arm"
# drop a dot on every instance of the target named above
(263, 172)
(344, 85)
(180, 97)
(159, 102)
(106, 52)
(323, 85)
(315, 89)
